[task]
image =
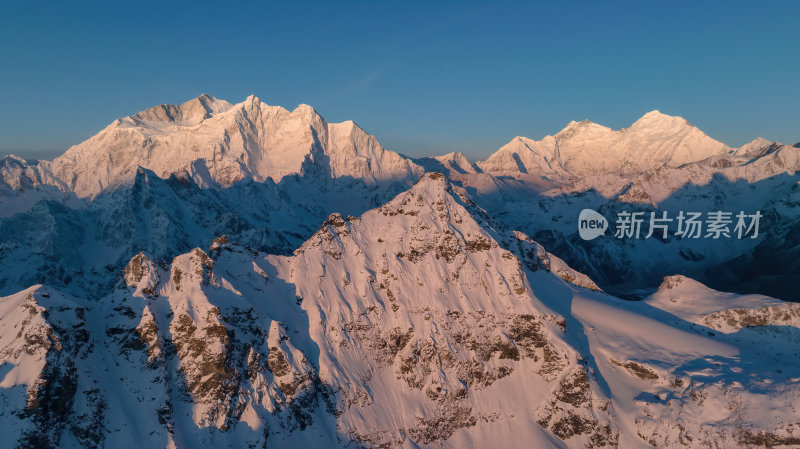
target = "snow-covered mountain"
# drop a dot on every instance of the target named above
(215, 143)
(449, 164)
(418, 324)
(760, 176)
(585, 148)
(167, 283)
(167, 178)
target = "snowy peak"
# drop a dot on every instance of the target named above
(676, 284)
(724, 312)
(691, 299)
(450, 164)
(307, 110)
(656, 118)
(422, 294)
(756, 148)
(190, 113)
(20, 175)
(434, 224)
(649, 122)
(12, 171)
(433, 196)
(12, 160)
(142, 275)
(581, 130)
(352, 152)
(584, 148)
(455, 161)
(428, 225)
(222, 143)
(655, 114)
(525, 155)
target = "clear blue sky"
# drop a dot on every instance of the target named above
(427, 77)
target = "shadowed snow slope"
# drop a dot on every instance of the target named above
(760, 176)
(420, 323)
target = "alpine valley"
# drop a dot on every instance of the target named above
(243, 276)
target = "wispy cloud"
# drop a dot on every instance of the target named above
(354, 85)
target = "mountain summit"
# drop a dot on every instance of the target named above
(188, 114)
(218, 143)
(585, 148)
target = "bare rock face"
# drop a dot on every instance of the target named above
(732, 320)
(142, 275)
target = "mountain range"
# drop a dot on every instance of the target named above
(240, 275)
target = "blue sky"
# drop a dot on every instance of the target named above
(424, 77)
